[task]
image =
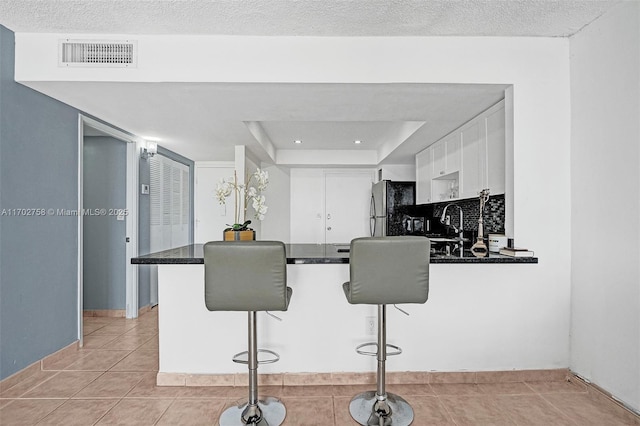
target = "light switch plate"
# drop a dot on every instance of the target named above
(144, 189)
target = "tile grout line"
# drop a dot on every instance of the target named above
(107, 412)
(165, 410)
(32, 387)
(550, 403)
(446, 409)
(557, 409)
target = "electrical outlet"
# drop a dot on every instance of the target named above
(371, 326)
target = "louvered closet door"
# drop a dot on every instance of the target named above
(179, 205)
(169, 199)
(169, 196)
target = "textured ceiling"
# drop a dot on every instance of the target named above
(326, 116)
(548, 18)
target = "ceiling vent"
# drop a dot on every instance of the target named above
(94, 53)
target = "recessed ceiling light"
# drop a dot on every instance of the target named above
(297, 141)
(357, 142)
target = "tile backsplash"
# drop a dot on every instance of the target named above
(494, 214)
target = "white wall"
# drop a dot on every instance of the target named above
(275, 225)
(605, 186)
(460, 328)
(538, 69)
(211, 217)
(400, 172)
(250, 167)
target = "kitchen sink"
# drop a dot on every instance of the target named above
(444, 240)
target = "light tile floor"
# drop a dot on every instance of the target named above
(112, 381)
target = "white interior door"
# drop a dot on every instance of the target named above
(211, 217)
(347, 203)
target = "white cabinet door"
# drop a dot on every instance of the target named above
(496, 151)
(439, 159)
(453, 149)
(347, 203)
(472, 163)
(446, 155)
(424, 172)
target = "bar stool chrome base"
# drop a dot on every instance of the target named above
(362, 410)
(272, 413)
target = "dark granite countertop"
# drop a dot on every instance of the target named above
(311, 254)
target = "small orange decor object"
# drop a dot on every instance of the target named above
(247, 235)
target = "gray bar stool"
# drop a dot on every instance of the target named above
(248, 276)
(385, 270)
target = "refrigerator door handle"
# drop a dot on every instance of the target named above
(372, 219)
(372, 207)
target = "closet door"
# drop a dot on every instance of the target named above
(169, 209)
(347, 206)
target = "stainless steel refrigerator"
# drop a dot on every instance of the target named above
(387, 201)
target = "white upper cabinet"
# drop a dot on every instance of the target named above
(439, 159)
(483, 153)
(466, 161)
(424, 173)
(446, 155)
(472, 176)
(496, 159)
(453, 149)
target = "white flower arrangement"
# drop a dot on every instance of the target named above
(244, 191)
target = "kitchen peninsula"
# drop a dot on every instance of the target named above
(320, 330)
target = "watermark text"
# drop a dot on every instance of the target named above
(63, 212)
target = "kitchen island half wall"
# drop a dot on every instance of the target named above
(476, 319)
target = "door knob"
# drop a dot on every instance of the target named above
(328, 228)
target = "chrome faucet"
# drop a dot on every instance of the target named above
(457, 230)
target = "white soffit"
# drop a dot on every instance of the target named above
(341, 135)
(204, 124)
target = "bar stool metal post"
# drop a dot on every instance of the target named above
(248, 276)
(385, 270)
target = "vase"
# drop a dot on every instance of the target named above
(239, 235)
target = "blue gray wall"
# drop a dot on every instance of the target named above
(38, 254)
(104, 247)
